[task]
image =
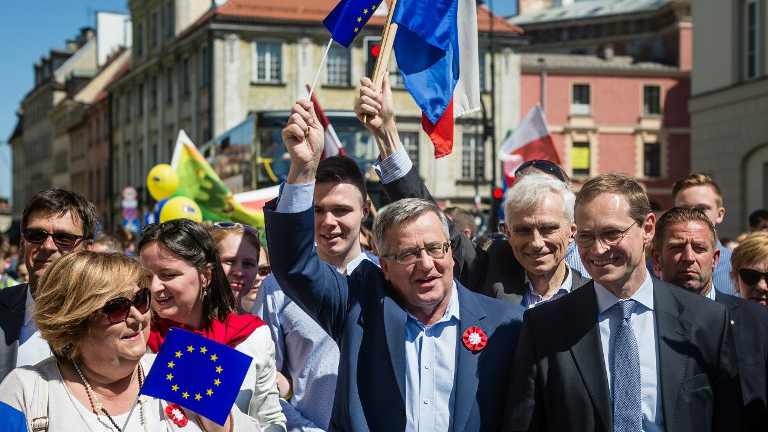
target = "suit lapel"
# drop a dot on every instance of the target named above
(673, 336)
(587, 350)
(13, 315)
(394, 328)
(465, 387)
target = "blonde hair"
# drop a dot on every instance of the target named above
(698, 179)
(753, 249)
(219, 234)
(76, 286)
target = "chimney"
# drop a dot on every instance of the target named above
(607, 52)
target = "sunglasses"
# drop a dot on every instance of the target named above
(264, 270)
(232, 225)
(118, 309)
(751, 276)
(544, 166)
(60, 239)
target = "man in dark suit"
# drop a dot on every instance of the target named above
(685, 253)
(418, 350)
(625, 352)
(54, 222)
(526, 269)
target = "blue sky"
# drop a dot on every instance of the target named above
(28, 30)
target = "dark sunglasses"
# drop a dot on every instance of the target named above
(544, 166)
(751, 276)
(118, 309)
(264, 270)
(60, 239)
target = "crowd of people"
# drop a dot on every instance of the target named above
(588, 312)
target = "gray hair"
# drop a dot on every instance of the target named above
(399, 213)
(532, 189)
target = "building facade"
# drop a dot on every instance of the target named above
(614, 80)
(206, 68)
(729, 105)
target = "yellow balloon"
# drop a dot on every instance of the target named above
(181, 208)
(162, 181)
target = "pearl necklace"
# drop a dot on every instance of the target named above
(98, 406)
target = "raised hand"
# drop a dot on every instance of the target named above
(304, 141)
(377, 106)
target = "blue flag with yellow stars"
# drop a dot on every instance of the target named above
(198, 374)
(347, 19)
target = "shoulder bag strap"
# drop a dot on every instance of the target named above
(40, 405)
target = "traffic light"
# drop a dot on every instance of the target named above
(493, 217)
(372, 46)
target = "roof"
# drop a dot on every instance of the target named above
(590, 9)
(575, 61)
(313, 12)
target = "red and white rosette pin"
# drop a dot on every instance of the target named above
(176, 414)
(474, 339)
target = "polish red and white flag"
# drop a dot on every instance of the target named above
(531, 140)
(332, 143)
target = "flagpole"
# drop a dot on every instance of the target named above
(385, 51)
(322, 62)
(130, 413)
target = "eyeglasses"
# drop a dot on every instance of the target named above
(752, 276)
(609, 238)
(231, 225)
(118, 309)
(410, 255)
(264, 270)
(60, 239)
(544, 166)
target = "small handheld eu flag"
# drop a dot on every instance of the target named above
(347, 19)
(197, 373)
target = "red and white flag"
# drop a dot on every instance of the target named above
(332, 143)
(531, 140)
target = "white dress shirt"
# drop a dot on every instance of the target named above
(644, 327)
(533, 298)
(32, 347)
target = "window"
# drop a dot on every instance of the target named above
(267, 62)
(652, 160)
(153, 35)
(410, 141)
(752, 29)
(169, 19)
(140, 108)
(580, 157)
(140, 40)
(185, 75)
(128, 170)
(116, 111)
(205, 66)
(580, 103)
(337, 71)
(128, 106)
(154, 154)
(651, 100)
(169, 85)
(472, 157)
(153, 94)
(484, 83)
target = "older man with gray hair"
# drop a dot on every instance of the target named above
(539, 217)
(419, 352)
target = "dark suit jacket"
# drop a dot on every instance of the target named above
(12, 302)
(495, 272)
(559, 381)
(366, 317)
(749, 322)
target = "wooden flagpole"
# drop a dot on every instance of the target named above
(385, 50)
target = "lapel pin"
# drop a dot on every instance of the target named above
(176, 414)
(474, 339)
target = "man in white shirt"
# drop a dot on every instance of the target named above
(55, 222)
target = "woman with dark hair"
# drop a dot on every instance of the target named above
(190, 291)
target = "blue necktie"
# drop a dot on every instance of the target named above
(627, 404)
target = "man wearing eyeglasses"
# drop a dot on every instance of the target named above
(419, 352)
(55, 222)
(685, 254)
(527, 268)
(624, 352)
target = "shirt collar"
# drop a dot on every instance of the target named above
(711, 294)
(451, 312)
(352, 265)
(29, 307)
(567, 284)
(644, 295)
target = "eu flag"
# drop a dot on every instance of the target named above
(347, 19)
(198, 374)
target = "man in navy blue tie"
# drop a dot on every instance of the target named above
(625, 352)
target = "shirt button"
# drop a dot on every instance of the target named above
(428, 333)
(426, 401)
(426, 366)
